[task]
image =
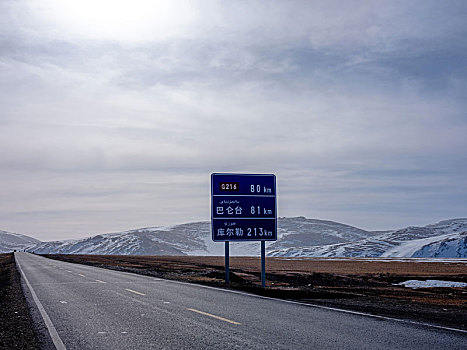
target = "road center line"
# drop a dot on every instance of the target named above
(81, 275)
(100, 281)
(213, 316)
(134, 291)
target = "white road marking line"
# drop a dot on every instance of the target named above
(417, 323)
(134, 291)
(166, 302)
(63, 302)
(81, 275)
(69, 271)
(213, 316)
(65, 283)
(101, 332)
(48, 323)
(100, 281)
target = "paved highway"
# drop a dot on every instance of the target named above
(91, 308)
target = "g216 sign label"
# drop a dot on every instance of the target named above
(243, 207)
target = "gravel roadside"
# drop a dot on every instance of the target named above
(16, 325)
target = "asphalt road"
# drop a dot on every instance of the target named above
(91, 308)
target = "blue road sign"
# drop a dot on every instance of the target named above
(243, 207)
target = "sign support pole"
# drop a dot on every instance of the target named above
(263, 264)
(227, 263)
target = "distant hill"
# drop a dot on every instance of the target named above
(446, 238)
(13, 241)
(297, 237)
(195, 239)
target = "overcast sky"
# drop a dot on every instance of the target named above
(113, 114)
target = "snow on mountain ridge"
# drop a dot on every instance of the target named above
(409, 248)
(297, 237)
(447, 247)
(295, 231)
(440, 228)
(10, 241)
(195, 238)
(443, 239)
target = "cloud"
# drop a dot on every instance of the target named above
(359, 109)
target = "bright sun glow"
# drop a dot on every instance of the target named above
(134, 20)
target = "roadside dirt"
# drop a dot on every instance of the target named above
(356, 284)
(16, 326)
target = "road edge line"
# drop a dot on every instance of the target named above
(330, 308)
(48, 322)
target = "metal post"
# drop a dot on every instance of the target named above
(227, 267)
(263, 264)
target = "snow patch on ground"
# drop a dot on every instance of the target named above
(415, 284)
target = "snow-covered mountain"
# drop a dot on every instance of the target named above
(195, 239)
(445, 239)
(443, 246)
(297, 237)
(13, 241)
(300, 231)
(451, 246)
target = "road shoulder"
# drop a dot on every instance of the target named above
(17, 329)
